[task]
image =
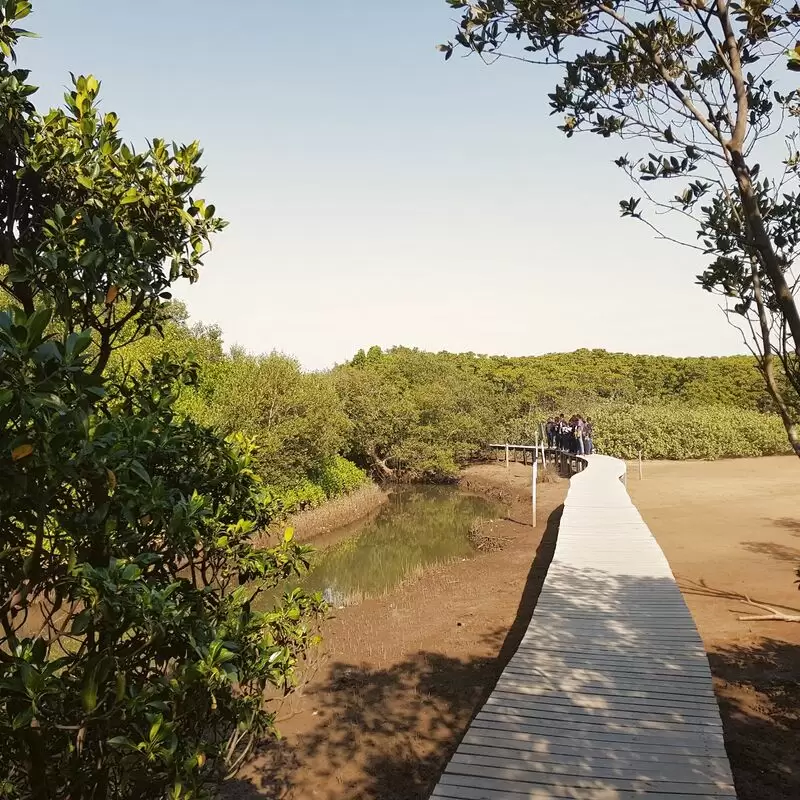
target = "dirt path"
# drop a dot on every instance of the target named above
(403, 674)
(729, 528)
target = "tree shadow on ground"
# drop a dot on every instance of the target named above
(388, 733)
(789, 524)
(779, 552)
(759, 696)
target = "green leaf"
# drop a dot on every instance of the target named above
(155, 727)
(23, 719)
(89, 692)
(130, 196)
(120, 683)
(77, 343)
(131, 572)
(138, 469)
(37, 323)
(121, 741)
(81, 622)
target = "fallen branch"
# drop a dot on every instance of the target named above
(774, 615)
(702, 589)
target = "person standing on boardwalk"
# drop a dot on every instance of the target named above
(588, 435)
(578, 431)
(550, 431)
(563, 431)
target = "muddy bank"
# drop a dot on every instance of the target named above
(312, 525)
(401, 675)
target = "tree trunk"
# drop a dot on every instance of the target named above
(763, 246)
(766, 362)
(769, 261)
(384, 471)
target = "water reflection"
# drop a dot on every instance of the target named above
(419, 526)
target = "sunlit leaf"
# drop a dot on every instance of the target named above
(21, 451)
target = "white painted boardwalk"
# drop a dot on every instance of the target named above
(609, 695)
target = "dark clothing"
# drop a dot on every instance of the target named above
(550, 430)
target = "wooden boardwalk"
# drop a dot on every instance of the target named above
(609, 695)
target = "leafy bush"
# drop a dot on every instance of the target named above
(295, 417)
(285, 500)
(675, 431)
(339, 476)
(335, 478)
(132, 661)
(416, 415)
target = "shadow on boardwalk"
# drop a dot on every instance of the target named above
(388, 733)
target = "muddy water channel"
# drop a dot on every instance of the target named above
(418, 527)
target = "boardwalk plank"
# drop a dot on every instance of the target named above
(557, 742)
(521, 771)
(601, 731)
(552, 705)
(562, 714)
(578, 792)
(612, 697)
(614, 761)
(449, 792)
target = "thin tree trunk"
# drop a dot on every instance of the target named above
(385, 471)
(767, 366)
(763, 246)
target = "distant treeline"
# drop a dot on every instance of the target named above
(443, 405)
(409, 414)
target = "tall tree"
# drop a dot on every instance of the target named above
(697, 87)
(133, 662)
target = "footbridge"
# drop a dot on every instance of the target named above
(609, 695)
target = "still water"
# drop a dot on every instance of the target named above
(418, 527)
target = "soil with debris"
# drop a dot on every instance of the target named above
(402, 675)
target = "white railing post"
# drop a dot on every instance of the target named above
(534, 478)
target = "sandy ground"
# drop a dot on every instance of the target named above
(732, 528)
(401, 675)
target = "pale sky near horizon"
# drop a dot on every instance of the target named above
(375, 193)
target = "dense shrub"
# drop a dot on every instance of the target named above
(339, 476)
(295, 417)
(423, 415)
(675, 431)
(335, 478)
(285, 500)
(407, 414)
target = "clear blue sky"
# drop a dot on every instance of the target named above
(375, 193)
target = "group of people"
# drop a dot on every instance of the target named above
(573, 435)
